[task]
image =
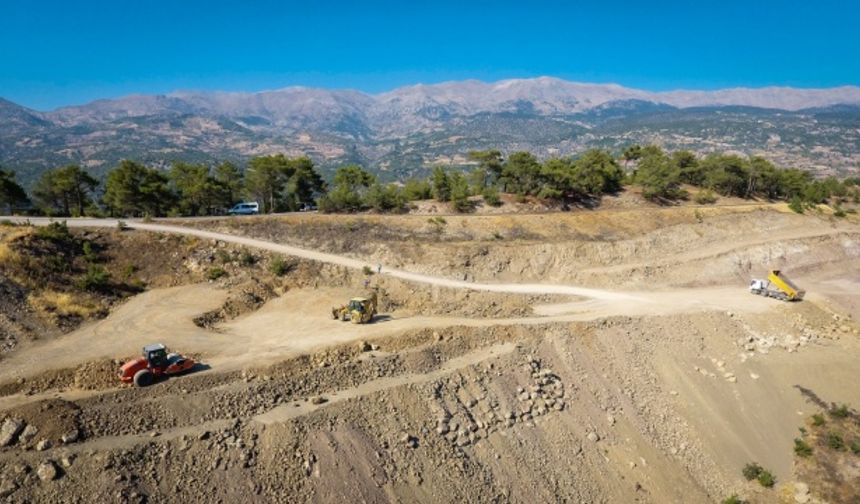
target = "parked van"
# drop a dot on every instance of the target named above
(250, 208)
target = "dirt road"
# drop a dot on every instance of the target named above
(347, 262)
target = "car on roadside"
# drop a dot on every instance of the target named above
(245, 208)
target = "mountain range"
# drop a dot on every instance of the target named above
(406, 131)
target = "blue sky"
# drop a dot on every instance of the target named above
(55, 53)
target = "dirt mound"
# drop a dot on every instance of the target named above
(243, 298)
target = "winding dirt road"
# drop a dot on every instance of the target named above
(347, 262)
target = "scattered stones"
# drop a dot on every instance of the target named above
(47, 471)
(7, 488)
(318, 400)
(68, 460)
(28, 434)
(71, 436)
(593, 437)
(9, 431)
(43, 445)
(363, 346)
(410, 440)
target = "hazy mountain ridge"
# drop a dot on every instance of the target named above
(403, 131)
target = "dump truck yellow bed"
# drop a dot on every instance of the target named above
(785, 285)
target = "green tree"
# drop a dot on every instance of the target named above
(11, 194)
(596, 172)
(765, 178)
(414, 190)
(305, 184)
(727, 174)
(133, 189)
(521, 174)
(348, 195)
(688, 164)
(65, 191)
(460, 193)
(197, 192)
(441, 184)
(631, 153)
(659, 176)
(793, 182)
(557, 179)
(266, 178)
(229, 179)
(489, 169)
(385, 198)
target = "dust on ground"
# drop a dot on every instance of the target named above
(660, 396)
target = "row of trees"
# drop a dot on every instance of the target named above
(280, 183)
(587, 177)
(662, 174)
(133, 189)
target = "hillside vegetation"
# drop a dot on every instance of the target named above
(280, 183)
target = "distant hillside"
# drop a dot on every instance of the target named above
(403, 132)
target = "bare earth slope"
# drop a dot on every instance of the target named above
(642, 371)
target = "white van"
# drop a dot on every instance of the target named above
(249, 208)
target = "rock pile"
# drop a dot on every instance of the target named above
(476, 418)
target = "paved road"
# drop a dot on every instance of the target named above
(347, 262)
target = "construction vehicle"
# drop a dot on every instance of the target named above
(359, 310)
(778, 286)
(156, 362)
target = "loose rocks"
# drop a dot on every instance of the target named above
(47, 471)
(9, 431)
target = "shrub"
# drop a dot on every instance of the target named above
(839, 212)
(766, 479)
(55, 231)
(498, 236)
(818, 420)
(367, 270)
(751, 471)
(840, 412)
(6, 222)
(215, 273)
(835, 441)
(95, 278)
(438, 224)
(128, 271)
(223, 256)
(796, 205)
(801, 448)
(491, 196)
(733, 499)
(121, 225)
(280, 267)
(247, 259)
(855, 447)
(705, 197)
(89, 253)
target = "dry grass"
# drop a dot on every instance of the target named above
(50, 302)
(6, 253)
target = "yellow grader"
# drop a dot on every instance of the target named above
(359, 310)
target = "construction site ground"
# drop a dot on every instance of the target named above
(591, 356)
